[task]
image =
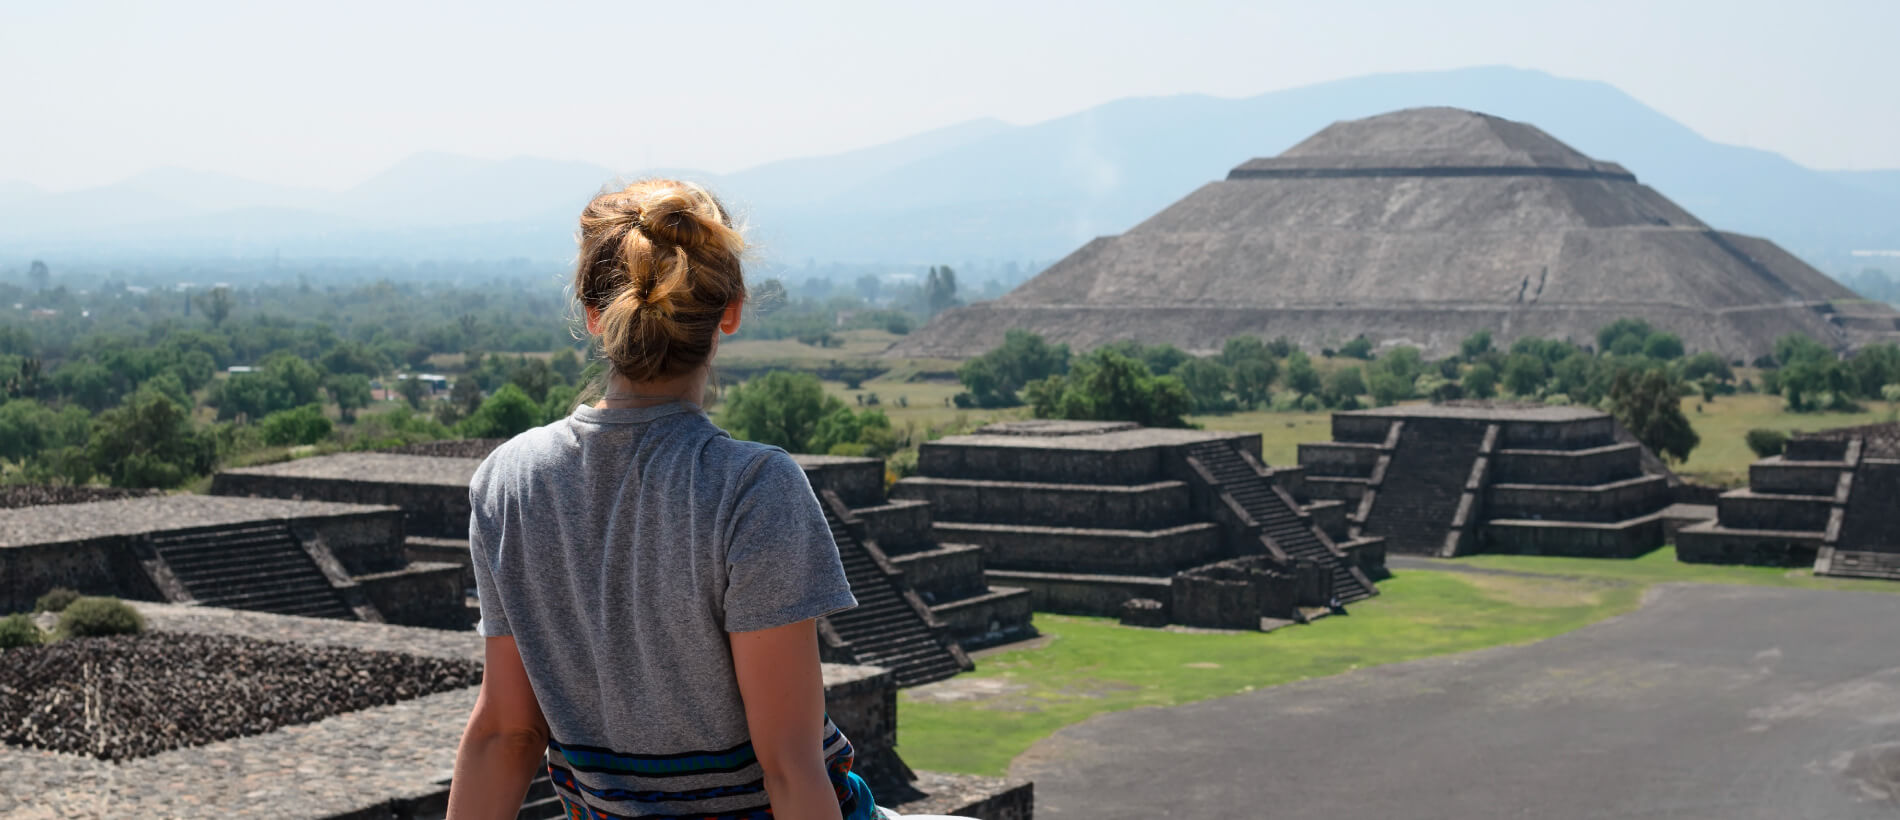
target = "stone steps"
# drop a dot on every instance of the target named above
(885, 630)
(1280, 523)
(1422, 487)
(258, 567)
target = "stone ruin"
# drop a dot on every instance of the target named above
(1467, 477)
(292, 557)
(920, 603)
(1088, 516)
(390, 759)
(1831, 500)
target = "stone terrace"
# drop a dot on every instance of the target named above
(1454, 479)
(1090, 515)
(309, 557)
(431, 490)
(393, 761)
(1829, 500)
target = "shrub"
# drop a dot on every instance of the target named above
(1767, 443)
(91, 617)
(17, 630)
(55, 600)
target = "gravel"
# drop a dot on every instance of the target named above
(449, 448)
(124, 697)
(40, 495)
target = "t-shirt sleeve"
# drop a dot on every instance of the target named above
(483, 539)
(781, 565)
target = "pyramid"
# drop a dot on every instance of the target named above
(1419, 227)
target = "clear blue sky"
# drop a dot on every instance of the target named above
(326, 94)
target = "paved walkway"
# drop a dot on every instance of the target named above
(1717, 702)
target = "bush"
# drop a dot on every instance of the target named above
(1767, 443)
(55, 600)
(91, 617)
(302, 425)
(17, 630)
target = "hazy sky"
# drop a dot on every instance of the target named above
(326, 94)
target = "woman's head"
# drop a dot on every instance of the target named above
(659, 266)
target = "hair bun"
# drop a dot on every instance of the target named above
(687, 217)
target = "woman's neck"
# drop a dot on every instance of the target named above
(622, 393)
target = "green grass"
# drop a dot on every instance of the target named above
(1723, 456)
(1091, 666)
(1281, 434)
(1661, 567)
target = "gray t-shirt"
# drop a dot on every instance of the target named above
(619, 547)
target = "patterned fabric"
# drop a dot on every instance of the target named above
(601, 784)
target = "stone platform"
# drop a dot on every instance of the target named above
(395, 761)
(307, 557)
(1831, 500)
(1087, 515)
(1461, 478)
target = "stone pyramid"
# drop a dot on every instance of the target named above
(1420, 226)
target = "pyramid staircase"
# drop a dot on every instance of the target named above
(255, 566)
(891, 627)
(1280, 521)
(1422, 488)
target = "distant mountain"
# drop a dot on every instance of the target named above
(980, 190)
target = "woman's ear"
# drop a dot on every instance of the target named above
(729, 323)
(593, 320)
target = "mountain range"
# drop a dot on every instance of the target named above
(979, 190)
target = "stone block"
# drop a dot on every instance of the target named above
(944, 573)
(1710, 542)
(897, 526)
(421, 594)
(858, 481)
(1098, 506)
(1080, 594)
(1065, 549)
(1144, 612)
(1352, 459)
(1750, 510)
(997, 615)
(1596, 465)
(1615, 501)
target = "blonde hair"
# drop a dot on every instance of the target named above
(660, 260)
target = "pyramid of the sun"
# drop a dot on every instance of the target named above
(1420, 226)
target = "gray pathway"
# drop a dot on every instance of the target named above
(1713, 702)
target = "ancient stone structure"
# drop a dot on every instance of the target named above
(1419, 226)
(272, 555)
(1460, 478)
(919, 601)
(913, 592)
(395, 761)
(1089, 515)
(1830, 500)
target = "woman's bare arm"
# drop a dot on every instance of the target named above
(505, 742)
(784, 691)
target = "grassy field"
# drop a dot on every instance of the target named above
(1723, 456)
(979, 722)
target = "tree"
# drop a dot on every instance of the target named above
(1281, 347)
(1706, 365)
(781, 408)
(1253, 381)
(566, 365)
(1359, 348)
(1766, 442)
(868, 287)
(1523, 374)
(1649, 405)
(1301, 378)
(940, 290)
(466, 395)
(1630, 334)
(843, 432)
(1663, 347)
(534, 377)
(149, 441)
(1475, 345)
(504, 415)
(350, 357)
(1480, 382)
(351, 393)
(1388, 389)
(560, 402)
(1344, 386)
(993, 379)
(300, 425)
(1243, 348)
(1207, 383)
(28, 428)
(1108, 385)
(216, 304)
(38, 274)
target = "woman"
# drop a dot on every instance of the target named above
(648, 584)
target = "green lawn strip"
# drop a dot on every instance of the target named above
(1093, 665)
(1661, 566)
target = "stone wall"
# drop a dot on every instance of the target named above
(1571, 434)
(1057, 465)
(434, 510)
(899, 526)
(1080, 594)
(1627, 539)
(94, 566)
(1059, 549)
(1596, 465)
(1096, 506)
(944, 573)
(423, 594)
(862, 700)
(1776, 474)
(1746, 509)
(1701, 544)
(1614, 501)
(364, 543)
(1339, 458)
(1235, 594)
(859, 482)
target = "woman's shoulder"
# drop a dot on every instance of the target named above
(534, 449)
